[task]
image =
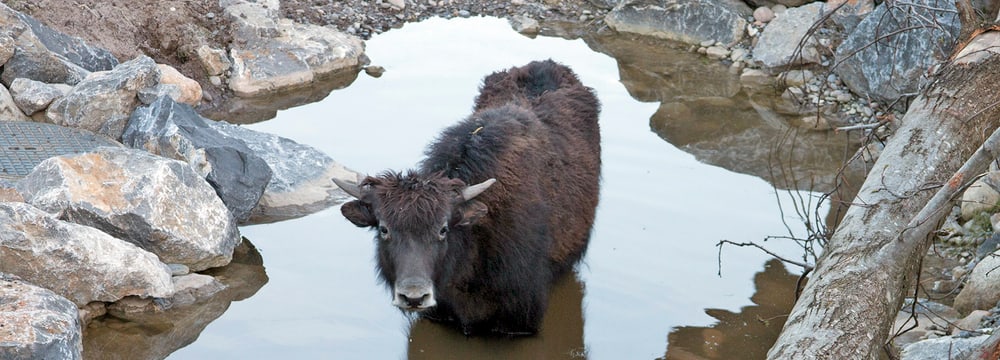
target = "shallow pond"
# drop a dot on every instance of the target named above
(652, 285)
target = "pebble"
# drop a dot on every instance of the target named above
(210, 15)
(763, 14)
(178, 269)
(717, 52)
(374, 71)
(779, 9)
(738, 54)
(707, 43)
(796, 77)
(464, 13)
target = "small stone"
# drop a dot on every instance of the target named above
(752, 30)
(525, 25)
(374, 71)
(707, 43)
(814, 122)
(738, 54)
(794, 78)
(178, 269)
(210, 15)
(763, 14)
(464, 13)
(717, 52)
(778, 9)
(842, 96)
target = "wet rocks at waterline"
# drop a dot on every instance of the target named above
(126, 225)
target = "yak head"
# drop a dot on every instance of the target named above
(414, 217)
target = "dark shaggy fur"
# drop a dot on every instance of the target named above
(534, 129)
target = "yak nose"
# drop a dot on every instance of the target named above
(414, 294)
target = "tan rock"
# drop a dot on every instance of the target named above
(190, 90)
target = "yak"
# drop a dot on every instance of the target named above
(501, 206)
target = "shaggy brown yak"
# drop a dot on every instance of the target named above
(481, 257)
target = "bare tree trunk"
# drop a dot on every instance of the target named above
(847, 308)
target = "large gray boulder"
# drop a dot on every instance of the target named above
(37, 323)
(912, 36)
(176, 131)
(301, 183)
(78, 262)
(103, 102)
(72, 48)
(778, 45)
(32, 58)
(688, 21)
(275, 54)
(159, 204)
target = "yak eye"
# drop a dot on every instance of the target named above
(443, 232)
(383, 231)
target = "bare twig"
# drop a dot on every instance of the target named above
(804, 266)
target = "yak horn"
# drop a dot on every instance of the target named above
(474, 190)
(350, 186)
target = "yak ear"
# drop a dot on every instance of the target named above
(472, 212)
(359, 213)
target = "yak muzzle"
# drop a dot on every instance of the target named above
(413, 294)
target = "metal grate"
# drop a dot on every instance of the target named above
(25, 144)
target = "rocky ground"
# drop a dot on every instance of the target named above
(169, 31)
(366, 18)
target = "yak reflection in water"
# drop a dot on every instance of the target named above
(744, 335)
(561, 336)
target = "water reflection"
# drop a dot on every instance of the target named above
(561, 336)
(747, 334)
(651, 266)
(154, 335)
(251, 110)
(705, 112)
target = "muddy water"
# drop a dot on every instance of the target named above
(685, 162)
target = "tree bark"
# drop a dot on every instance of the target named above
(849, 304)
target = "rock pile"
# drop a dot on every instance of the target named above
(125, 225)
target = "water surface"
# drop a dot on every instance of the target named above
(652, 269)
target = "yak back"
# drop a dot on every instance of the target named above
(535, 130)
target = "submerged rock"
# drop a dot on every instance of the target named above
(159, 204)
(691, 21)
(102, 103)
(176, 131)
(35, 323)
(78, 262)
